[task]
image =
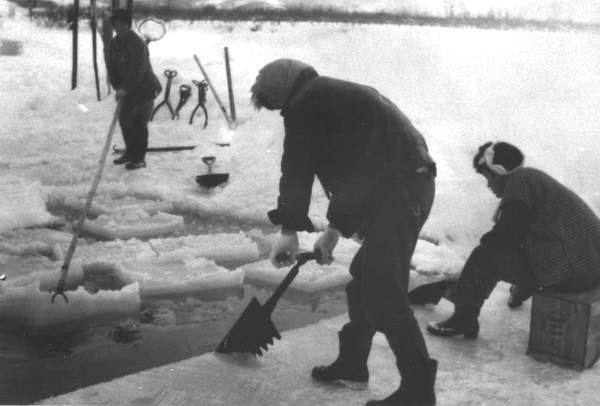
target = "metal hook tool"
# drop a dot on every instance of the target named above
(184, 94)
(170, 74)
(202, 88)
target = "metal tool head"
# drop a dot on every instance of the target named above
(252, 333)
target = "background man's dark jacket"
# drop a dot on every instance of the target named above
(129, 67)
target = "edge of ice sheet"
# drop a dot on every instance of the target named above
(135, 223)
(29, 306)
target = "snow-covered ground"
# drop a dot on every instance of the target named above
(461, 87)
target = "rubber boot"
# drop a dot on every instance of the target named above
(350, 367)
(463, 322)
(416, 389)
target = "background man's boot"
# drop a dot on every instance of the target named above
(122, 160)
(350, 367)
(416, 389)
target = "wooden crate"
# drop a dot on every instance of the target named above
(565, 328)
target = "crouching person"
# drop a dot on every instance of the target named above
(376, 169)
(545, 237)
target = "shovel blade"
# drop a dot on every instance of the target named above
(212, 180)
(253, 330)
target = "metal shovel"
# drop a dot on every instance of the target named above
(211, 180)
(254, 330)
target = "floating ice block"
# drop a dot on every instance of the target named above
(105, 205)
(41, 241)
(188, 277)
(22, 204)
(312, 277)
(135, 223)
(47, 278)
(113, 251)
(221, 248)
(28, 306)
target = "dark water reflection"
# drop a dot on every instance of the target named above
(39, 364)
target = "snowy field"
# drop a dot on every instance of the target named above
(461, 87)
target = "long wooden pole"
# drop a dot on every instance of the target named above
(214, 92)
(106, 35)
(229, 85)
(93, 23)
(75, 43)
(64, 271)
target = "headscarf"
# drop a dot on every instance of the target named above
(275, 80)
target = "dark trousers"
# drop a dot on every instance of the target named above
(133, 119)
(487, 266)
(377, 295)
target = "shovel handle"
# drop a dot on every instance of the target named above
(301, 259)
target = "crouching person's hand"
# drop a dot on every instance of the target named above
(326, 244)
(285, 249)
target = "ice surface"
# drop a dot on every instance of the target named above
(312, 276)
(460, 86)
(157, 278)
(112, 251)
(221, 248)
(430, 262)
(22, 204)
(33, 241)
(28, 306)
(492, 370)
(47, 278)
(107, 205)
(436, 260)
(26, 301)
(133, 223)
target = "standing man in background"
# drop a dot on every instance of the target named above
(131, 74)
(375, 167)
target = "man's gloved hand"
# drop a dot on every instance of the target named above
(356, 238)
(325, 245)
(284, 251)
(121, 93)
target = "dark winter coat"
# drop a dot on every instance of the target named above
(558, 231)
(129, 68)
(356, 141)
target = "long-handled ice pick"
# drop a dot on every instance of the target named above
(60, 286)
